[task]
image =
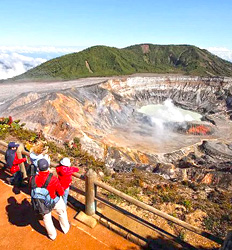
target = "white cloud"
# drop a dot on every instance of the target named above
(15, 64)
(15, 60)
(224, 53)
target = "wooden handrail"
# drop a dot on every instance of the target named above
(19, 154)
(24, 152)
(90, 207)
(158, 212)
(3, 144)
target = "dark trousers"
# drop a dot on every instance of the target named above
(33, 170)
(17, 178)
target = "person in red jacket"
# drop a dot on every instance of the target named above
(64, 172)
(56, 191)
(12, 162)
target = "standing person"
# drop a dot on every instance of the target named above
(64, 172)
(12, 162)
(38, 152)
(55, 191)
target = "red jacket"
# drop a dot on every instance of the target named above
(54, 186)
(65, 175)
(15, 168)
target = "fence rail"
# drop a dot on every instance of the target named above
(91, 184)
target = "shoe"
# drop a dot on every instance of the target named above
(16, 190)
(65, 230)
(8, 180)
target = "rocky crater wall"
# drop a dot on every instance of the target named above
(105, 117)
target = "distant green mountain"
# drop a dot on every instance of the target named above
(143, 58)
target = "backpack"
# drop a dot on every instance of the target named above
(41, 201)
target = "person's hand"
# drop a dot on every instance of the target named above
(82, 177)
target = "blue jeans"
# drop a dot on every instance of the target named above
(65, 196)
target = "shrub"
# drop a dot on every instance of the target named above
(187, 204)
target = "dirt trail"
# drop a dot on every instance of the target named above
(20, 229)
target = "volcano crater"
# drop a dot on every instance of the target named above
(107, 118)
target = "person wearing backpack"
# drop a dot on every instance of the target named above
(12, 162)
(55, 201)
(64, 172)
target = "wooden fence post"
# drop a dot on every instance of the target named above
(227, 245)
(22, 165)
(90, 190)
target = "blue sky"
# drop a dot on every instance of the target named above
(32, 32)
(204, 23)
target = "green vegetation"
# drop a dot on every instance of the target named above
(124, 184)
(144, 58)
(182, 235)
(156, 191)
(14, 129)
(219, 212)
(187, 204)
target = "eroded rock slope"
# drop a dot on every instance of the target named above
(105, 117)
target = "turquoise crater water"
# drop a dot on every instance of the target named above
(168, 112)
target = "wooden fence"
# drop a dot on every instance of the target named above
(91, 184)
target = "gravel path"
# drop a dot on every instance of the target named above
(11, 90)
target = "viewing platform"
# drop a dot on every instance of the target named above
(21, 229)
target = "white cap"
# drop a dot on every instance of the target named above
(65, 162)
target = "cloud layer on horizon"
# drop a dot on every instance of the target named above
(224, 53)
(15, 60)
(13, 64)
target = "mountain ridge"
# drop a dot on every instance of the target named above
(140, 58)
